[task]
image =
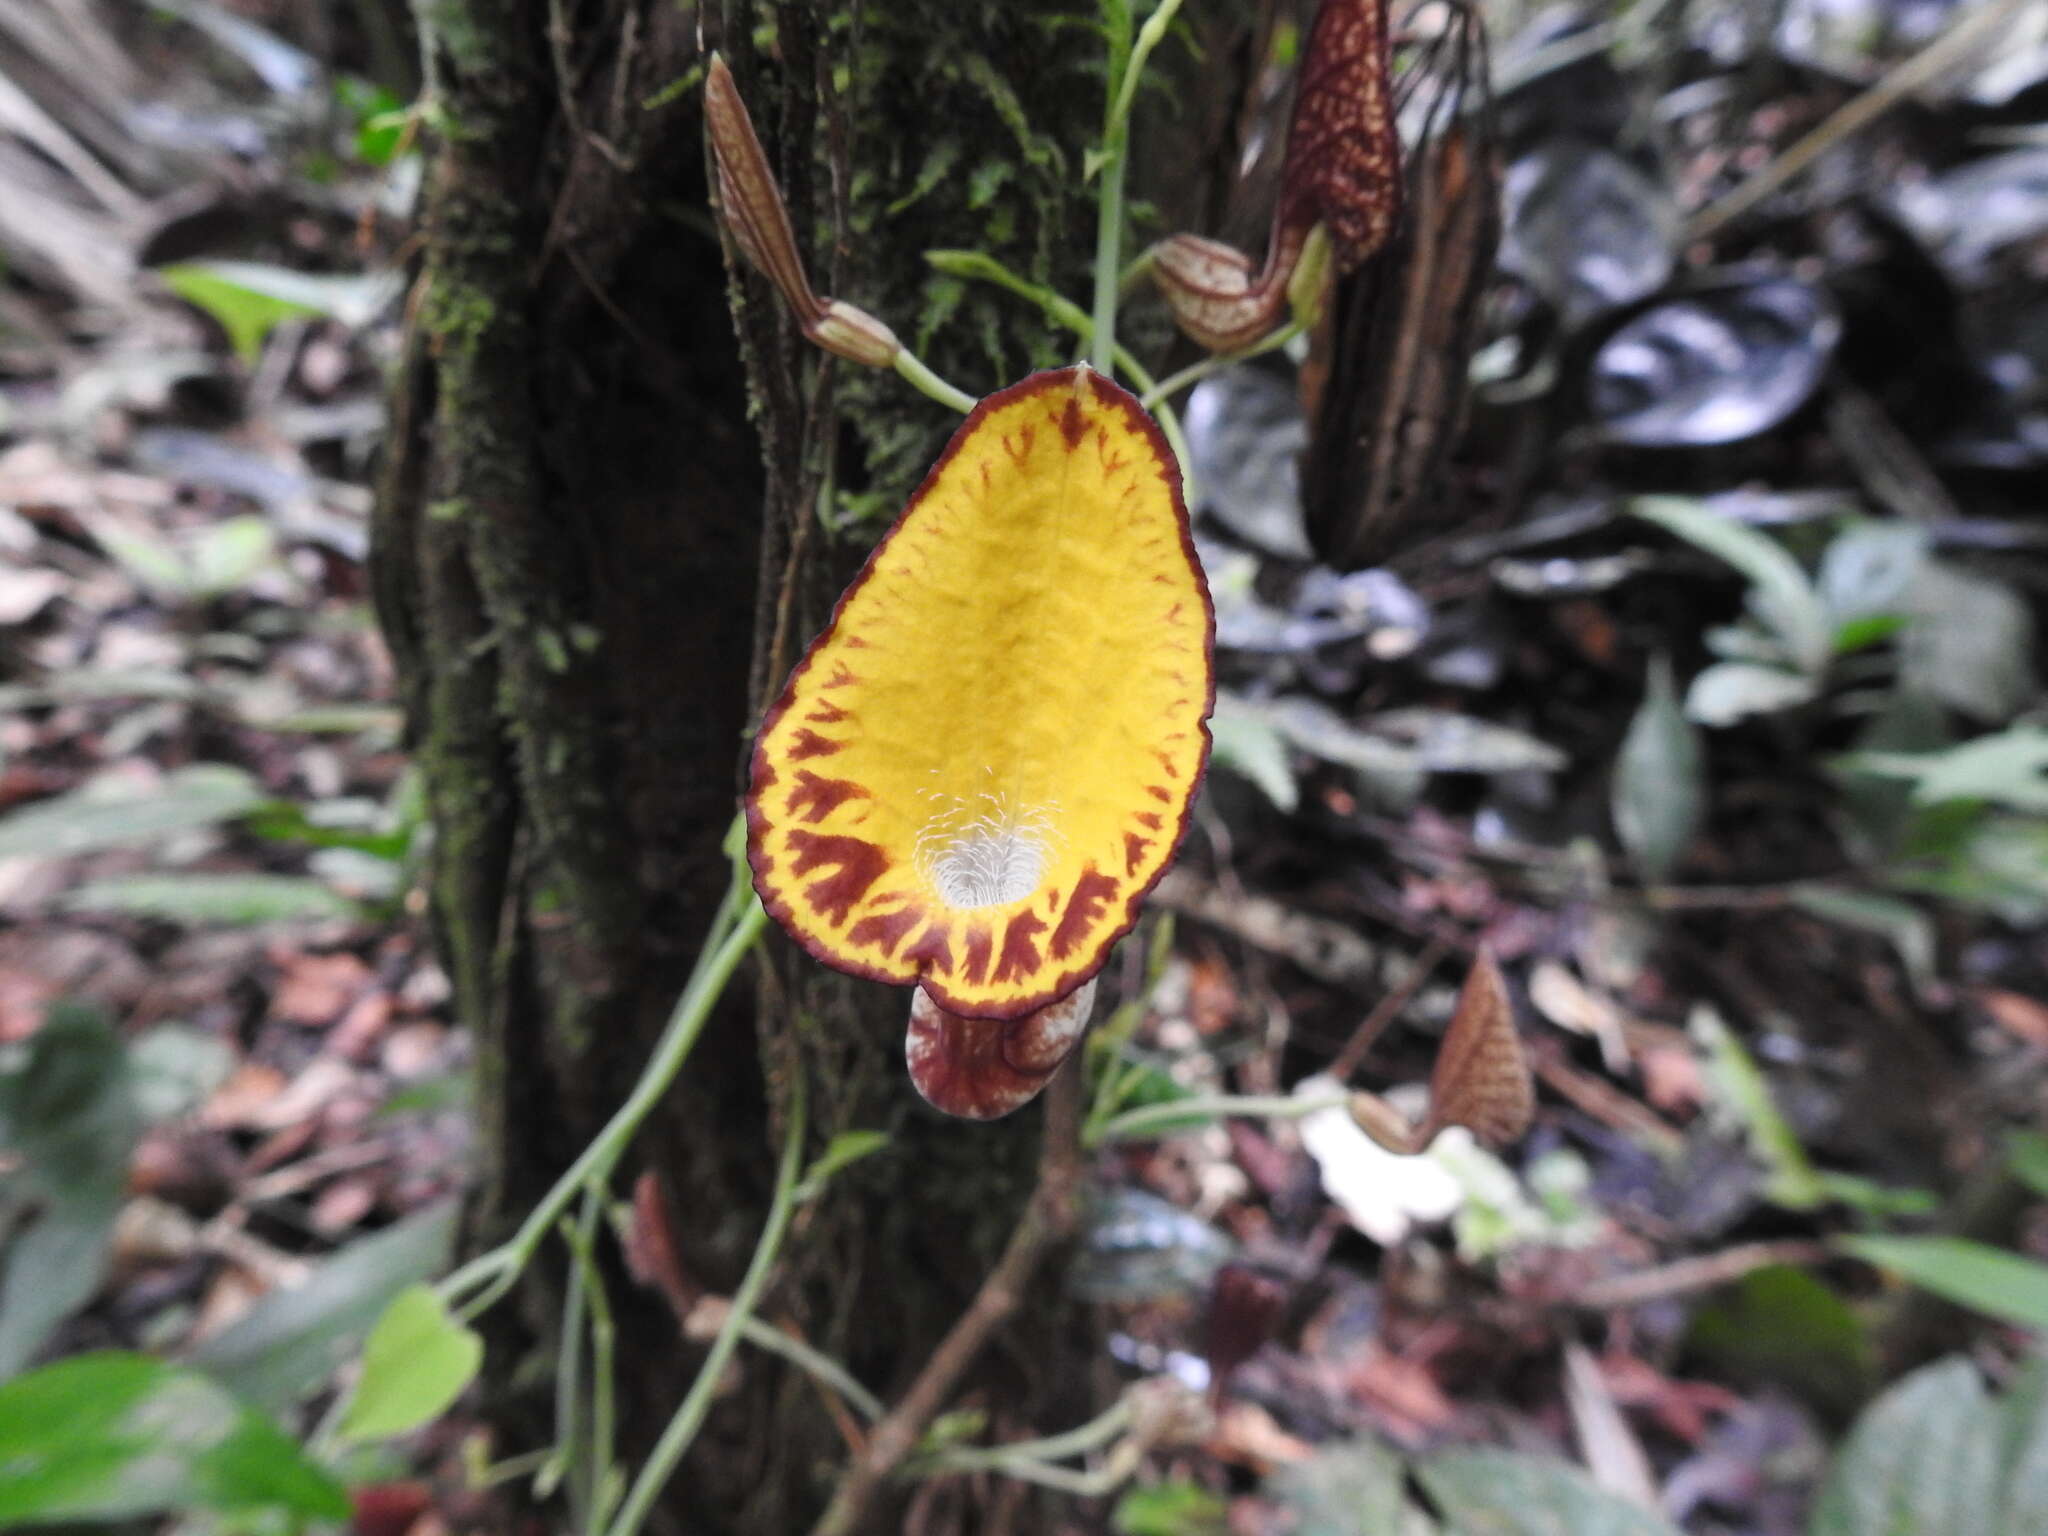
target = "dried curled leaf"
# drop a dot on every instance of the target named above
(986, 761)
(1481, 1079)
(982, 1069)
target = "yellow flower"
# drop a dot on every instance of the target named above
(986, 760)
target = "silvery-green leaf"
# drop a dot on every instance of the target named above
(1780, 594)
(1970, 643)
(1730, 690)
(1659, 793)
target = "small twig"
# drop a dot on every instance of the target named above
(1683, 1276)
(1925, 67)
(1180, 1116)
(1387, 1010)
(1047, 1218)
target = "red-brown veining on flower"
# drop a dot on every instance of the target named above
(856, 865)
(1134, 851)
(808, 743)
(1159, 793)
(1019, 955)
(885, 930)
(979, 947)
(815, 798)
(1072, 423)
(827, 713)
(842, 674)
(1146, 819)
(981, 1069)
(1091, 891)
(931, 951)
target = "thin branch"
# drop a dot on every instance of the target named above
(1685, 1276)
(1387, 1010)
(1047, 1218)
(1974, 31)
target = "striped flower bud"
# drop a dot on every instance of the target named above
(749, 198)
(1216, 298)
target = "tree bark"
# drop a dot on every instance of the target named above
(593, 572)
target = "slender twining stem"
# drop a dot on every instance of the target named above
(689, 1416)
(1109, 222)
(913, 368)
(1063, 311)
(765, 1335)
(1097, 1432)
(1048, 1217)
(1150, 36)
(1191, 1114)
(489, 1276)
(1216, 362)
(589, 1463)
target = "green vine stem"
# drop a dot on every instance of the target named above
(979, 266)
(486, 1279)
(913, 368)
(1109, 224)
(1156, 396)
(689, 1416)
(1191, 1114)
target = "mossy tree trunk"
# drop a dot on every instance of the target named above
(592, 568)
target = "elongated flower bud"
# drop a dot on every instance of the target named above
(1343, 165)
(749, 198)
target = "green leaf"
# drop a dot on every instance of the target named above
(250, 298)
(416, 1362)
(1970, 643)
(204, 898)
(2009, 768)
(1904, 926)
(1444, 741)
(173, 1068)
(115, 814)
(1780, 594)
(2026, 1154)
(1729, 691)
(1244, 742)
(115, 1436)
(68, 1114)
(1781, 1326)
(1974, 1275)
(1503, 1493)
(1922, 1461)
(1346, 1489)
(248, 316)
(845, 1148)
(1659, 794)
(1867, 571)
(290, 1342)
(1170, 1509)
(1744, 1095)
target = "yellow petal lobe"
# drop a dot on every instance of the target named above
(986, 760)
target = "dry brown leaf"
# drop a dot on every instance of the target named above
(2016, 1013)
(1482, 1079)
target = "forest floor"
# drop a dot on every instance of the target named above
(1754, 821)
